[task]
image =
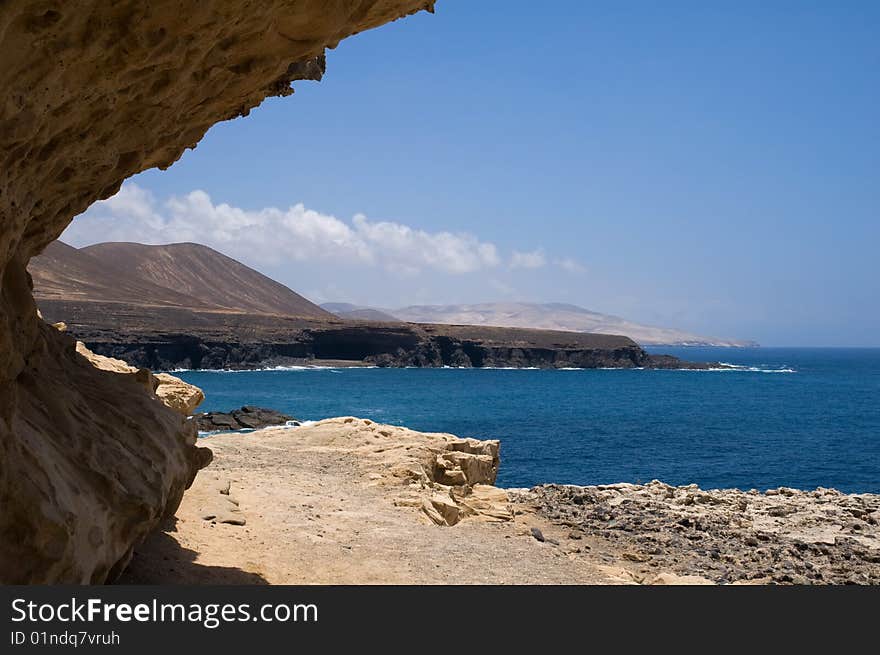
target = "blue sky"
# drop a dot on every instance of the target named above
(713, 167)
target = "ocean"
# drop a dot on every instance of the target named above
(795, 417)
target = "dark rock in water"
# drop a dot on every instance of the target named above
(246, 417)
(670, 362)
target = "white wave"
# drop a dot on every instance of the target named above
(210, 433)
(334, 369)
(726, 366)
(510, 368)
(288, 425)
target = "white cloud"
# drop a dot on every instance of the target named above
(452, 253)
(532, 260)
(277, 235)
(571, 265)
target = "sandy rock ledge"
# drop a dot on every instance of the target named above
(350, 501)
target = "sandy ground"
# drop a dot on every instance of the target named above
(328, 505)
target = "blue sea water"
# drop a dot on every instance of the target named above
(792, 417)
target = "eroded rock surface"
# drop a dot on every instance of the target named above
(92, 461)
(180, 396)
(93, 93)
(784, 536)
(447, 477)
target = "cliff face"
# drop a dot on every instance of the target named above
(407, 347)
(93, 93)
(187, 306)
(169, 338)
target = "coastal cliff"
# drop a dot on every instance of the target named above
(163, 338)
(95, 92)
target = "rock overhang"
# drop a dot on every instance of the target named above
(95, 92)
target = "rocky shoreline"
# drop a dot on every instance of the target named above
(301, 485)
(780, 536)
(619, 533)
(350, 501)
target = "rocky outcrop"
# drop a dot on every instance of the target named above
(244, 418)
(180, 396)
(93, 93)
(447, 478)
(92, 462)
(783, 535)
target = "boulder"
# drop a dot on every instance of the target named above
(180, 396)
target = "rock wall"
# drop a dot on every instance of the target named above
(412, 349)
(92, 462)
(187, 352)
(93, 93)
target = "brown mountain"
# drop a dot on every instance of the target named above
(184, 275)
(64, 273)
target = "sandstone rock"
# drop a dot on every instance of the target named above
(451, 476)
(95, 92)
(447, 508)
(436, 517)
(174, 392)
(104, 363)
(487, 502)
(91, 463)
(473, 468)
(407, 461)
(177, 394)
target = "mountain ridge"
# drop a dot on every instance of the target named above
(186, 275)
(545, 316)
